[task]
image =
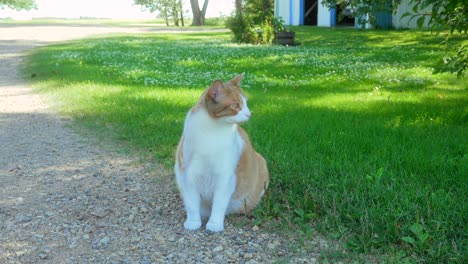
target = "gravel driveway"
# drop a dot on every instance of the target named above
(65, 198)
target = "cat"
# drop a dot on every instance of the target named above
(218, 172)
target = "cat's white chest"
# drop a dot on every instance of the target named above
(211, 153)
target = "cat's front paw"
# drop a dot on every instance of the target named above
(192, 225)
(215, 227)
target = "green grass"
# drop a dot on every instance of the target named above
(363, 142)
(82, 21)
(159, 23)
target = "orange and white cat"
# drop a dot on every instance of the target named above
(218, 171)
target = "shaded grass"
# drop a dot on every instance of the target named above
(362, 141)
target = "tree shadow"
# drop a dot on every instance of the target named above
(325, 161)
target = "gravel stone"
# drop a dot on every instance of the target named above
(22, 218)
(67, 198)
(104, 241)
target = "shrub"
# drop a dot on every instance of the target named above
(268, 32)
(242, 28)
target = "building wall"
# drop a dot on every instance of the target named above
(406, 22)
(324, 16)
(282, 10)
(289, 11)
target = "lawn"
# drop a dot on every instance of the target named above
(211, 22)
(363, 142)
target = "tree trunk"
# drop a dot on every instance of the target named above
(166, 16)
(198, 15)
(238, 6)
(175, 14)
(181, 10)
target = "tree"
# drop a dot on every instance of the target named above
(178, 9)
(252, 21)
(238, 4)
(167, 9)
(198, 15)
(259, 10)
(440, 15)
(18, 4)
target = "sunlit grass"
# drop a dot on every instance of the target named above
(362, 140)
(157, 23)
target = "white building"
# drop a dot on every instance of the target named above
(313, 12)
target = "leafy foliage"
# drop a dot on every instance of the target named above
(254, 22)
(242, 29)
(259, 10)
(168, 9)
(455, 62)
(443, 14)
(279, 25)
(268, 32)
(19, 4)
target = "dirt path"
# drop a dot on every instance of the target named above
(64, 199)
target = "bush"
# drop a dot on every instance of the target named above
(259, 10)
(268, 32)
(242, 28)
(253, 22)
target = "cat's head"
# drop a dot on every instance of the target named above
(227, 102)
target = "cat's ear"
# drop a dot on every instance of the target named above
(215, 90)
(236, 80)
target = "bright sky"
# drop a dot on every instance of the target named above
(117, 9)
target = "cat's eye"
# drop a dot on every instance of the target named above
(235, 106)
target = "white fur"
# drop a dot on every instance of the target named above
(211, 150)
